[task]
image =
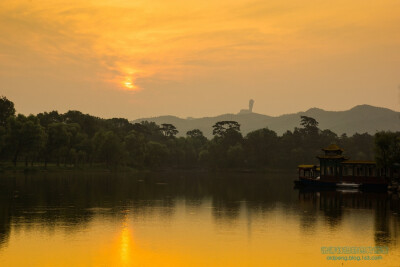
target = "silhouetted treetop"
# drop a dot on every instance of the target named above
(310, 125)
(387, 146)
(6, 110)
(168, 130)
(47, 118)
(308, 122)
(195, 133)
(223, 127)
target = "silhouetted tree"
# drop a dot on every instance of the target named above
(6, 110)
(310, 126)
(109, 148)
(150, 130)
(308, 122)
(227, 137)
(222, 127)
(47, 118)
(197, 138)
(119, 126)
(359, 146)
(261, 146)
(25, 136)
(89, 124)
(156, 154)
(195, 133)
(235, 156)
(195, 142)
(135, 145)
(168, 130)
(57, 142)
(387, 145)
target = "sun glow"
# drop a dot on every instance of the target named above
(128, 76)
(185, 50)
(129, 85)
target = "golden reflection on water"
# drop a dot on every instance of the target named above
(124, 251)
(232, 224)
(192, 236)
(126, 243)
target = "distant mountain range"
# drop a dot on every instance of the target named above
(360, 119)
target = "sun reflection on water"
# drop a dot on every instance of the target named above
(126, 243)
(266, 230)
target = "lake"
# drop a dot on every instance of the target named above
(190, 219)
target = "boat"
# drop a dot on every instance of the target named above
(337, 171)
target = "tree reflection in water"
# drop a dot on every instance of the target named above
(261, 210)
(333, 205)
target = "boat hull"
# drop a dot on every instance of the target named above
(314, 183)
(317, 183)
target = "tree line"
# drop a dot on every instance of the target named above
(75, 139)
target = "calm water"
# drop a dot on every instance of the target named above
(187, 219)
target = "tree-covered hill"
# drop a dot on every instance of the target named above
(360, 119)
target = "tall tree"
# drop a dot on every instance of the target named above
(47, 118)
(195, 133)
(387, 145)
(25, 136)
(308, 122)
(6, 110)
(261, 145)
(89, 124)
(197, 138)
(150, 130)
(58, 140)
(135, 145)
(168, 130)
(221, 128)
(109, 148)
(310, 126)
(195, 143)
(156, 154)
(119, 126)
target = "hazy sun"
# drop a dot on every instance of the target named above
(129, 85)
(128, 78)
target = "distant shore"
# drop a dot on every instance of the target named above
(21, 168)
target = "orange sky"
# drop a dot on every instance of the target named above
(138, 58)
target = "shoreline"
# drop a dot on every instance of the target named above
(7, 168)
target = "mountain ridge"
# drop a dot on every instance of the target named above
(358, 119)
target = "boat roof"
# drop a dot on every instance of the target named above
(306, 167)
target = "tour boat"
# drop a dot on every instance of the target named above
(336, 170)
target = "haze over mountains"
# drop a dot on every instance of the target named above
(359, 119)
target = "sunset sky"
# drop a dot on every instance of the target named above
(140, 58)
